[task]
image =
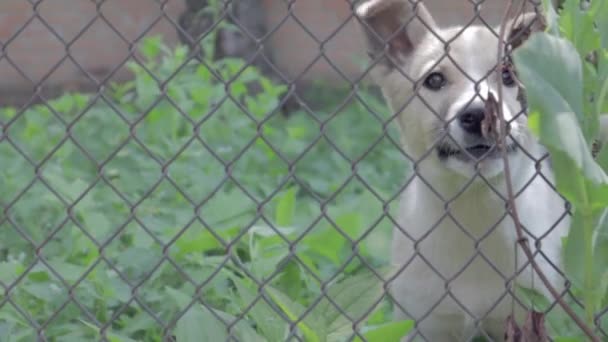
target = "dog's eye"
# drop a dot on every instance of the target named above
(507, 76)
(435, 81)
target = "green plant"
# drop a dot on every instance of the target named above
(119, 210)
(565, 73)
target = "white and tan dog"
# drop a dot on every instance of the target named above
(455, 245)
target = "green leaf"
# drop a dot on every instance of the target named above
(327, 243)
(600, 255)
(551, 71)
(9, 270)
(151, 47)
(69, 272)
(312, 327)
(200, 242)
(199, 324)
(573, 184)
(285, 208)
(602, 23)
(112, 337)
(578, 26)
(568, 339)
(574, 256)
(350, 223)
(269, 323)
(389, 332)
(291, 278)
(180, 299)
(356, 296)
(242, 331)
(551, 17)
(534, 299)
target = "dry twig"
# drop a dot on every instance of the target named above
(521, 239)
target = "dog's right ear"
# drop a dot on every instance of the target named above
(394, 27)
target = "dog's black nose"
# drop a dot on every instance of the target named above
(470, 120)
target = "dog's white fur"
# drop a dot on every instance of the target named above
(455, 246)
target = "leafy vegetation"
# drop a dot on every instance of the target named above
(565, 72)
(120, 210)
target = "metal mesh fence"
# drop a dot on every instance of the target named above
(185, 205)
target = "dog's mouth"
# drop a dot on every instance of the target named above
(473, 152)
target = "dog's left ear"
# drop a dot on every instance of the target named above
(521, 27)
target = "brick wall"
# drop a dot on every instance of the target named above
(29, 44)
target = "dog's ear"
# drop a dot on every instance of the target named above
(394, 27)
(521, 27)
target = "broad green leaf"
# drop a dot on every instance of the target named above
(265, 265)
(534, 299)
(285, 208)
(568, 339)
(9, 270)
(267, 232)
(327, 243)
(112, 337)
(578, 26)
(268, 321)
(602, 24)
(46, 291)
(241, 330)
(68, 271)
(573, 184)
(600, 255)
(575, 249)
(97, 223)
(9, 314)
(356, 297)
(602, 86)
(200, 243)
(292, 275)
(551, 71)
(227, 207)
(389, 332)
(150, 47)
(6, 331)
(350, 224)
(198, 324)
(180, 299)
(312, 327)
(551, 17)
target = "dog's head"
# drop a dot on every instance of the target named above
(441, 81)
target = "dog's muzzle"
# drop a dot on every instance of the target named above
(472, 153)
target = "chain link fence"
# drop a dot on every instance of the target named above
(208, 198)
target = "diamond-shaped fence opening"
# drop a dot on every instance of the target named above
(223, 170)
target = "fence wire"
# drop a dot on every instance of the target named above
(73, 267)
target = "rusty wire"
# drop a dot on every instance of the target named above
(36, 247)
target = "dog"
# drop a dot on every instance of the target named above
(455, 245)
